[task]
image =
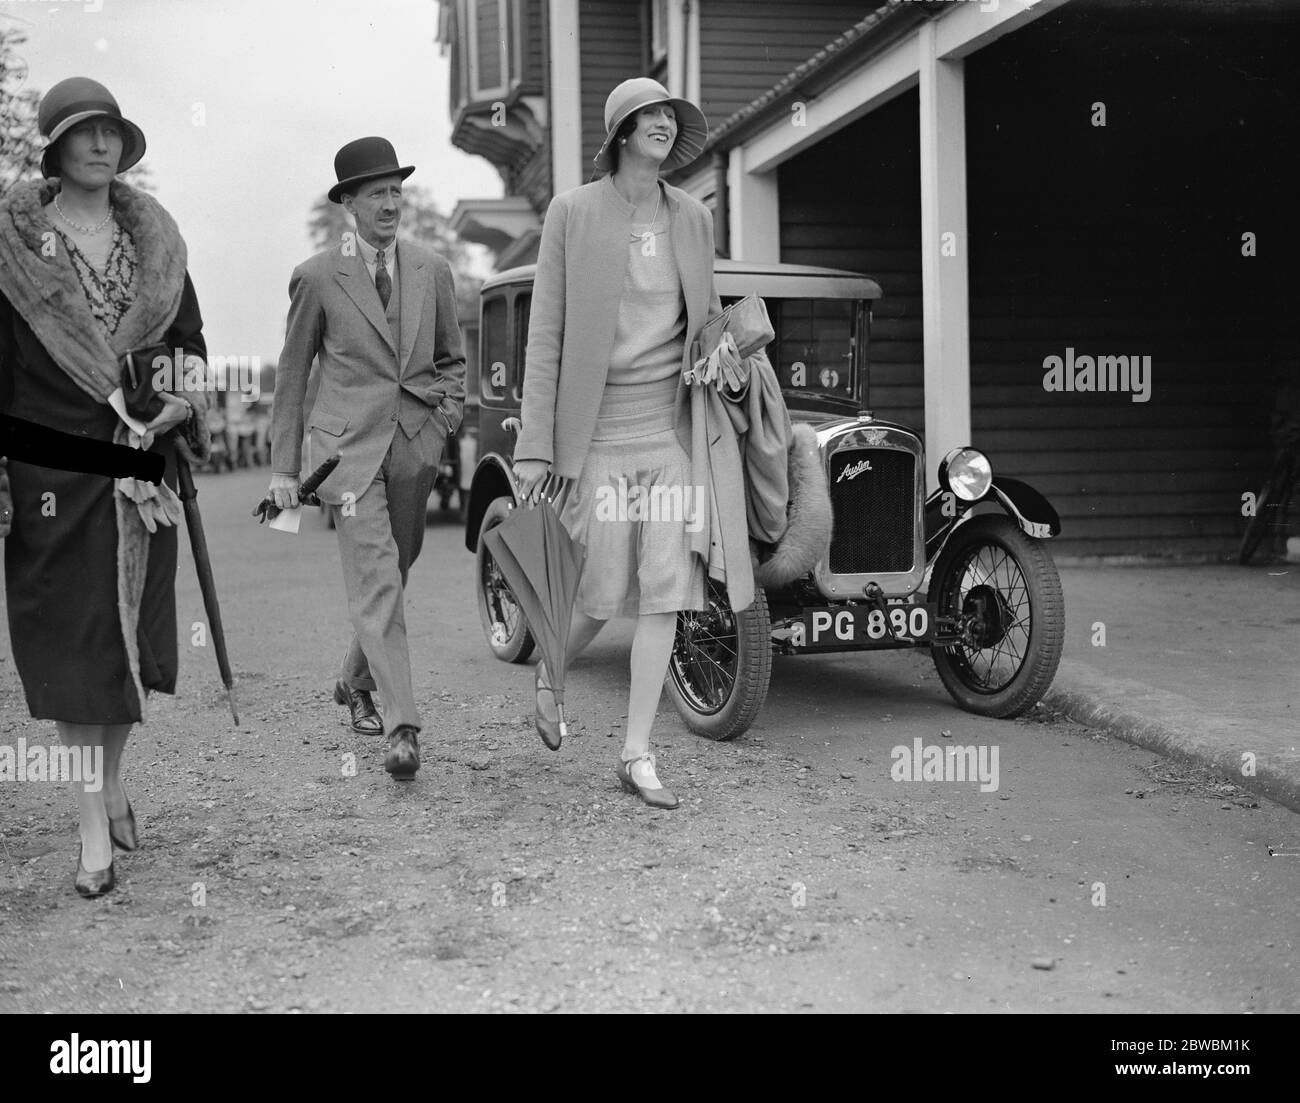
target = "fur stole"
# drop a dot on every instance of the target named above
(39, 280)
(808, 534)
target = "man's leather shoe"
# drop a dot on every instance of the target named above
(364, 717)
(403, 757)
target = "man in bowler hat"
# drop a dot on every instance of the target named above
(381, 317)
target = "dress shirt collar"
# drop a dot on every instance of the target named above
(369, 253)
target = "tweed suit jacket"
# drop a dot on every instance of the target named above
(369, 388)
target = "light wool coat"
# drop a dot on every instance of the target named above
(581, 269)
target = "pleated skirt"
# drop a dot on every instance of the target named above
(634, 507)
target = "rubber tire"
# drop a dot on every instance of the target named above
(520, 645)
(1047, 610)
(754, 674)
(1257, 527)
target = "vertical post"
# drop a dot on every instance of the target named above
(566, 103)
(755, 212)
(945, 294)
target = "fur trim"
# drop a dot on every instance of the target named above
(42, 286)
(42, 283)
(132, 568)
(808, 534)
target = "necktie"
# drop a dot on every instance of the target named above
(383, 282)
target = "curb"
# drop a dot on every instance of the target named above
(1078, 698)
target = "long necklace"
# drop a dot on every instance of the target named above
(78, 225)
(653, 218)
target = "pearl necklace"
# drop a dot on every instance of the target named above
(78, 225)
(653, 218)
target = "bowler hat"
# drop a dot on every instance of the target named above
(362, 160)
(639, 92)
(75, 100)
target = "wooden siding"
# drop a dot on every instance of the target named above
(1126, 240)
(746, 46)
(854, 201)
(1117, 241)
(534, 46)
(609, 51)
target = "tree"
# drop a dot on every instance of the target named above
(20, 137)
(422, 222)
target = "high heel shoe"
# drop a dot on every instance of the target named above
(93, 883)
(547, 728)
(654, 795)
(122, 830)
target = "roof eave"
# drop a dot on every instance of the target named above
(879, 31)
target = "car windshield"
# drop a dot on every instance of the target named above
(813, 352)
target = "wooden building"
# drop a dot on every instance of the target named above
(1053, 194)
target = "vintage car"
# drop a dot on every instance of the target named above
(962, 570)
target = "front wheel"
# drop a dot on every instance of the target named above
(1003, 590)
(503, 620)
(721, 664)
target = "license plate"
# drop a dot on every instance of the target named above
(840, 625)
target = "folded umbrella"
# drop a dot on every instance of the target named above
(267, 510)
(207, 583)
(542, 564)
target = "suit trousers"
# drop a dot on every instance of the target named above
(380, 536)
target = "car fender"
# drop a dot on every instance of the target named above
(493, 477)
(1033, 513)
(1030, 510)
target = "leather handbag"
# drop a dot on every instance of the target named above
(748, 323)
(141, 397)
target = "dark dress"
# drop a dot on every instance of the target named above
(61, 571)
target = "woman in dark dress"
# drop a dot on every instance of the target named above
(89, 269)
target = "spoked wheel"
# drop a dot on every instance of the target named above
(1270, 510)
(1003, 589)
(503, 621)
(721, 664)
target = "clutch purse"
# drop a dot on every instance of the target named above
(142, 399)
(746, 321)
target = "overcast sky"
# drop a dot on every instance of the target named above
(282, 84)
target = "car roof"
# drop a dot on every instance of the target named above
(740, 277)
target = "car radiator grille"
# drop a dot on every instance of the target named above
(873, 511)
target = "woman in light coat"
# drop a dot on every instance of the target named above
(624, 281)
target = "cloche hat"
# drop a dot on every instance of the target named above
(362, 160)
(639, 92)
(75, 100)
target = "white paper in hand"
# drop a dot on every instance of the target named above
(288, 520)
(117, 400)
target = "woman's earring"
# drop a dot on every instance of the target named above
(622, 141)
